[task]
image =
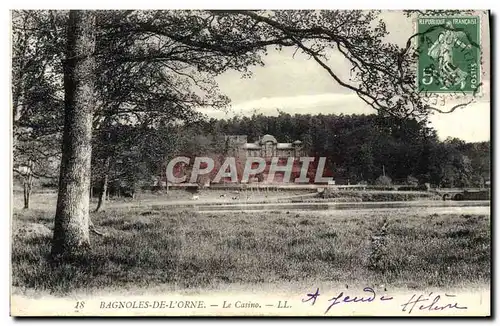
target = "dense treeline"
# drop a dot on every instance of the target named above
(361, 148)
(358, 148)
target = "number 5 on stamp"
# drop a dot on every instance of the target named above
(449, 54)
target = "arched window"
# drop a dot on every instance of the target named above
(269, 149)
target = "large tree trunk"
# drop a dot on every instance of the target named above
(104, 186)
(71, 231)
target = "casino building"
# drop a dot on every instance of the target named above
(266, 147)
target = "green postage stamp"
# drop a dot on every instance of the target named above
(449, 54)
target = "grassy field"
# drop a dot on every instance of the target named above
(47, 200)
(150, 247)
(378, 196)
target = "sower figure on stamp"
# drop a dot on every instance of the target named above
(442, 52)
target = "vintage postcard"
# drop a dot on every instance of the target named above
(250, 163)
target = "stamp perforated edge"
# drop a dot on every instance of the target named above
(479, 93)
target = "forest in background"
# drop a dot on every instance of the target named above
(358, 148)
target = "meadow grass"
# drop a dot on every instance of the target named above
(150, 247)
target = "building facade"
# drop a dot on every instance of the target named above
(265, 147)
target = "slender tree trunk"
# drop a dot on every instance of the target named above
(71, 230)
(26, 195)
(104, 186)
(18, 109)
(27, 184)
(26, 203)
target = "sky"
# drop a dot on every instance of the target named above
(296, 84)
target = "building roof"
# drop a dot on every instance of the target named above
(267, 138)
(284, 146)
(251, 146)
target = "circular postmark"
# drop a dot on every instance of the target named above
(448, 60)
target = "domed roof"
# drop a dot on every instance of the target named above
(297, 142)
(267, 138)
